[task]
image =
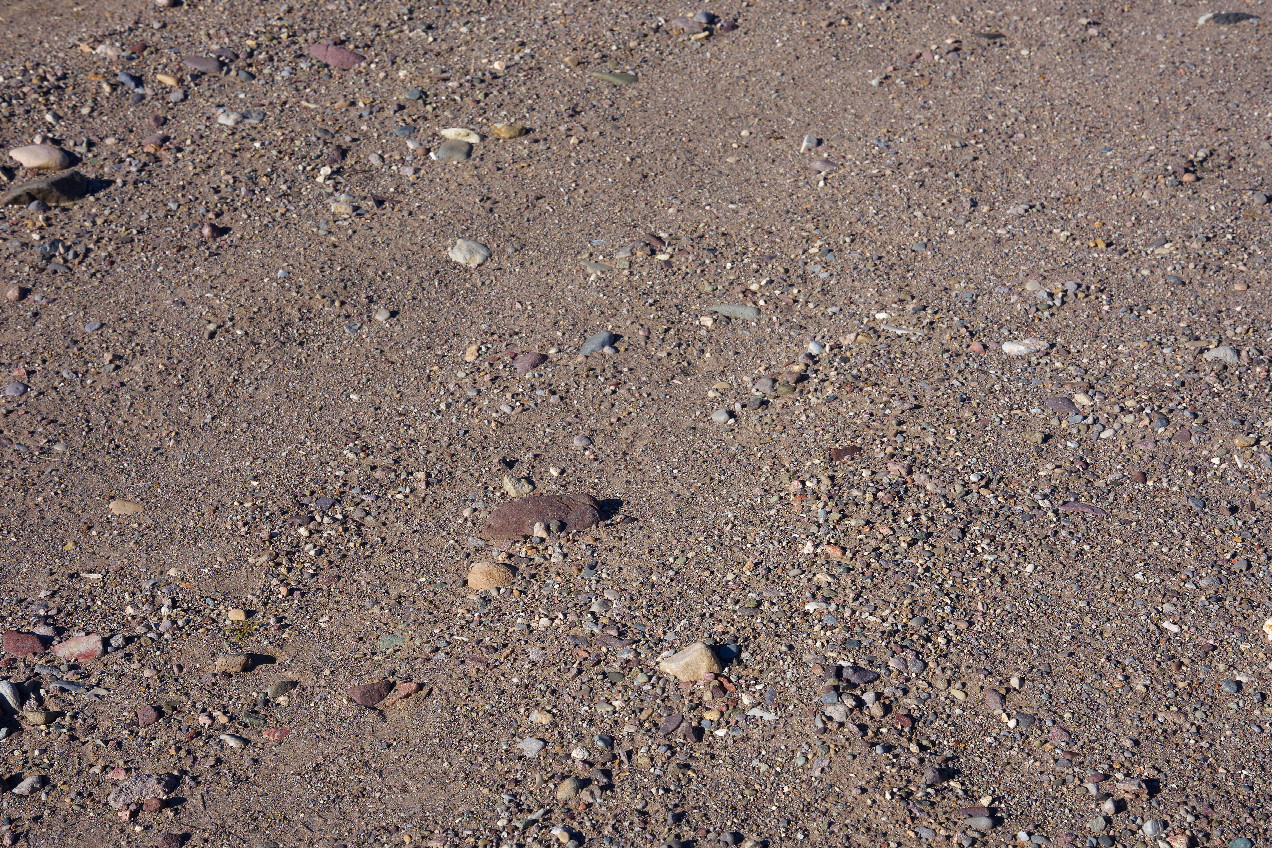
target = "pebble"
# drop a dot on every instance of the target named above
(336, 56)
(80, 648)
(507, 131)
(1153, 828)
(60, 190)
(531, 747)
(370, 694)
(453, 150)
(1241, 842)
(1224, 353)
(232, 740)
(146, 716)
(142, 786)
(527, 362)
(15, 389)
(568, 788)
(41, 157)
(516, 487)
(469, 253)
(1024, 348)
(516, 519)
(857, 675)
(93, 326)
(1226, 18)
(202, 64)
(982, 823)
(721, 416)
(484, 576)
(459, 134)
(236, 615)
(1231, 687)
(29, 785)
(691, 663)
(382, 315)
(280, 688)
(10, 697)
(823, 165)
(21, 644)
(232, 664)
(597, 342)
(119, 506)
(615, 77)
(743, 313)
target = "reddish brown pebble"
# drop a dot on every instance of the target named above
(211, 231)
(147, 716)
(152, 805)
(21, 644)
(169, 840)
(517, 518)
(845, 452)
(401, 692)
(1139, 477)
(336, 56)
(976, 347)
(527, 362)
(276, 734)
(370, 694)
(80, 648)
(14, 294)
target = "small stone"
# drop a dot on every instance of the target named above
(568, 788)
(370, 694)
(517, 518)
(691, 663)
(453, 150)
(994, 700)
(1231, 687)
(146, 716)
(823, 166)
(169, 840)
(810, 142)
(232, 740)
(857, 675)
(236, 615)
(80, 648)
(152, 805)
(15, 389)
(721, 416)
(485, 576)
(60, 190)
(582, 441)
(742, 313)
(142, 786)
(202, 64)
(469, 253)
(517, 487)
(42, 157)
(1226, 354)
(531, 747)
(29, 785)
(276, 734)
(232, 664)
(459, 134)
(21, 644)
(10, 697)
(14, 293)
(401, 692)
(1153, 828)
(280, 688)
(982, 823)
(616, 77)
(336, 56)
(40, 718)
(1241, 842)
(119, 506)
(507, 131)
(1024, 348)
(597, 342)
(527, 362)
(382, 315)
(1226, 18)
(1062, 406)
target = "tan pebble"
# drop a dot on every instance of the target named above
(508, 131)
(14, 294)
(41, 157)
(119, 506)
(471, 354)
(483, 576)
(459, 134)
(236, 615)
(692, 663)
(232, 663)
(166, 79)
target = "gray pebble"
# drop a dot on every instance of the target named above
(721, 416)
(597, 342)
(1231, 687)
(453, 150)
(15, 389)
(92, 326)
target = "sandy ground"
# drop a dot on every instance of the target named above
(964, 490)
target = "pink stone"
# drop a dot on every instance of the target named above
(21, 644)
(80, 648)
(337, 57)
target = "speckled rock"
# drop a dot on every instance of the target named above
(517, 518)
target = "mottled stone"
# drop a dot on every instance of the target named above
(80, 648)
(336, 56)
(517, 518)
(691, 663)
(370, 694)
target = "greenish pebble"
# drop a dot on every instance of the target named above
(1241, 842)
(745, 313)
(281, 688)
(616, 77)
(596, 267)
(390, 642)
